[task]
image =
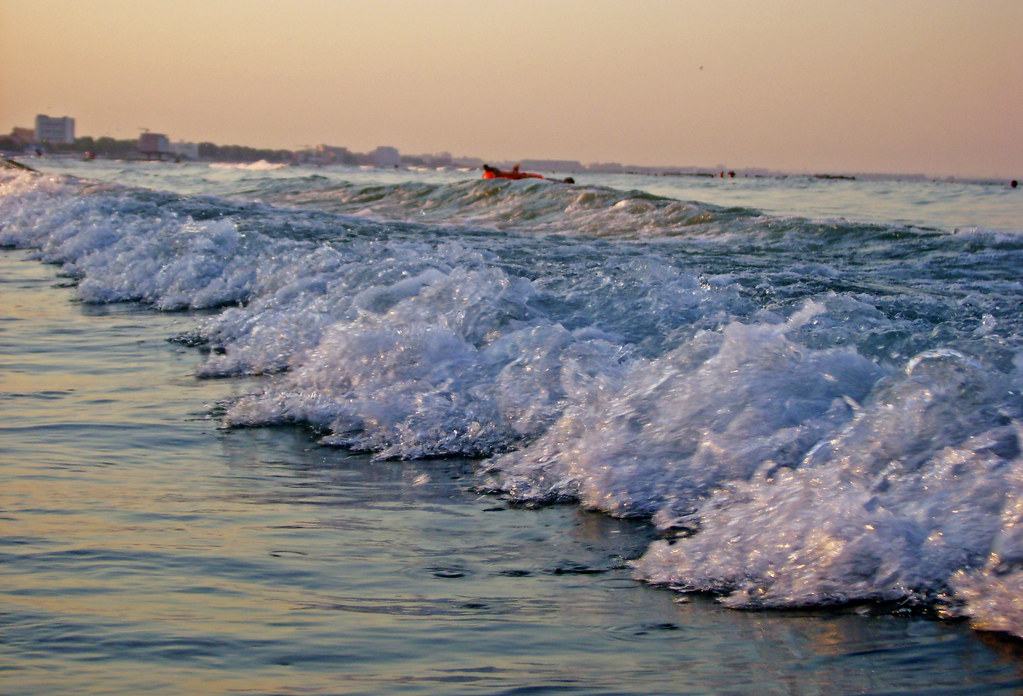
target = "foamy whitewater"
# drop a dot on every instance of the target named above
(811, 387)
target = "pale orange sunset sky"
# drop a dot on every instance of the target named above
(930, 86)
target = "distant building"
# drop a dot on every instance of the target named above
(330, 154)
(438, 160)
(467, 162)
(606, 167)
(154, 145)
(23, 136)
(183, 149)
(55, 130)
(385, 156)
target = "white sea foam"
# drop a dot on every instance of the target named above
(905, 503)
(438, 364)
(258, 166)
(830, 412)
(672, 429)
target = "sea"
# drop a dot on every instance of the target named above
(334, 430)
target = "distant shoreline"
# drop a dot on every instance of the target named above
(468, 164)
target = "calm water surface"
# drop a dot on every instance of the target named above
(143, 550)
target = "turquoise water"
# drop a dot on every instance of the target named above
(249, 419)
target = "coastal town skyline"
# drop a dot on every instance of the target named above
(56, 136)
(920, 87)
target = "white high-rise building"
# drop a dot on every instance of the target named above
(55, 130)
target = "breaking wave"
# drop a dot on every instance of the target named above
(812, 412)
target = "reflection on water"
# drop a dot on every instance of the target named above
(144, 550)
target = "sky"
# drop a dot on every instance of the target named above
(822, 86)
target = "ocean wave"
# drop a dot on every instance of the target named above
(811, 413)
(532, 206)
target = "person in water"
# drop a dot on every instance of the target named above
(514, 173)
